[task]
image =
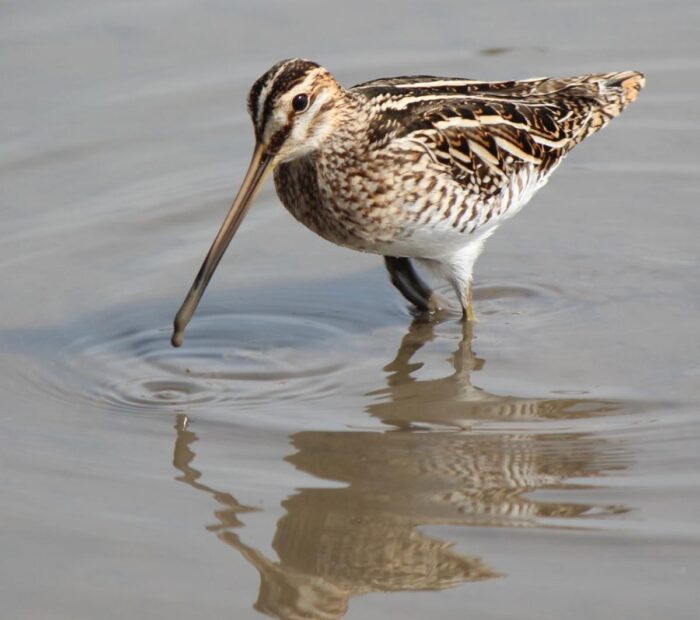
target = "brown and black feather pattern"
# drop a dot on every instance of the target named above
(424, 167)
(478, 128)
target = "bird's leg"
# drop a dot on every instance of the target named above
(466, 298)
(404, 277)
(462, 285)
(459, 269)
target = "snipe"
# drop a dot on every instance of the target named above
(416, 167)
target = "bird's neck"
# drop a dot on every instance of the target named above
(349, 137)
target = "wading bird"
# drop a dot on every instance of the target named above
(417, 167)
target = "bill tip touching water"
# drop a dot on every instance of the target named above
(415, 168)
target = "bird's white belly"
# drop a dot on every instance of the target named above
(442, 238)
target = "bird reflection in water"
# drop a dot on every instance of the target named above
(335, 543)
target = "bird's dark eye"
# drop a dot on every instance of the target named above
(300, 102)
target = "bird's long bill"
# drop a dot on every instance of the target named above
(257, 170)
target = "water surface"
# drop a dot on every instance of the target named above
(312, 451)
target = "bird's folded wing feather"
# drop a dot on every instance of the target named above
(496, 127)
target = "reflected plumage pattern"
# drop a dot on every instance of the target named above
(339, 541)
(417, 167)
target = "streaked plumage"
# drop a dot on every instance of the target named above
(415, 167)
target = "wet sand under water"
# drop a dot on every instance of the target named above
(310, 443)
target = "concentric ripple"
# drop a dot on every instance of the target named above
(506, 299)
(239, 359)
(242, 359)
(526, 299)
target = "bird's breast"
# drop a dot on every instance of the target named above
(342, 202)
(368, 203)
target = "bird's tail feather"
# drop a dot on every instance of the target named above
(608, 95)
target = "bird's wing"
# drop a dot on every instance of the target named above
(496, 127)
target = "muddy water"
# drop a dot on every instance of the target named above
(309, 452)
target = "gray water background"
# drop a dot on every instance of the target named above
(309, 453)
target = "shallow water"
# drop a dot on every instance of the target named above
(310, 443)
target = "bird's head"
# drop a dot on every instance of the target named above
(293, 107)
